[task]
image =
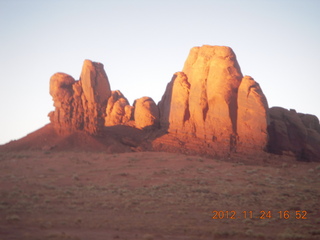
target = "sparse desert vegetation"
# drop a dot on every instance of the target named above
(152, 195)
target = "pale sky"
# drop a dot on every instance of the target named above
(142, 43)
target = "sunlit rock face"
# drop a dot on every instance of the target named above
(294, 133)
(61, 90)
(146, 113)
(207, 108)
(253, 117)
(203, 101)
(118, 110)
(80, 105)
(214, 76)
(174, 105)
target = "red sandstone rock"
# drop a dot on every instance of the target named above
(96, 91)
(174, 105)
(80, 105)
(146, 113)
(294, 132)
(62, 92)
(95, 83)
(252, 120)
(116, 111)
(214, 76)
(203, 99)
(208, 108)
(128, 114)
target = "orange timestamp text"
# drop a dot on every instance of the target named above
(263, 214)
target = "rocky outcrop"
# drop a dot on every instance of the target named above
(96, 92)
(214, 76)
(294, 133)
(61, 90)
(146, 113)
(118, 110)
(80, 105)
(207, 108)
(174, 105)
(210, 108)
(253, 118)
(203, 102)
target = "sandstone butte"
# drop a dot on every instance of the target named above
(207, 108)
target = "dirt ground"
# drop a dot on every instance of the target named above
(46, 195)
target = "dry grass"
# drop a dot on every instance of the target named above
(83, 195)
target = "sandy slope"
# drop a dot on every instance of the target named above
(153, 195)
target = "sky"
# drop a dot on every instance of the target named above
(142, 43)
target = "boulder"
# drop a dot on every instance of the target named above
(146, 113)
(117, 111)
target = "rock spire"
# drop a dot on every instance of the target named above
(80, 105)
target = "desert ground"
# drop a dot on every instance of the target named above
(155, 195)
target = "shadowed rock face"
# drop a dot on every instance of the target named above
(80, 105)
(203, 102)
(292, 132)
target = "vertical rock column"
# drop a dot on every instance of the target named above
(96, 91)
(62, 92)
(174, 105)
(80, 105)
(253, 116)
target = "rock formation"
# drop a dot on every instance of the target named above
(61, 90)
(295, 133)
(118, 110)
(80, 105)
(214, 76)
(253, 118)
(146, 113)
(207, 108)
(202, 101)
(174, 105)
